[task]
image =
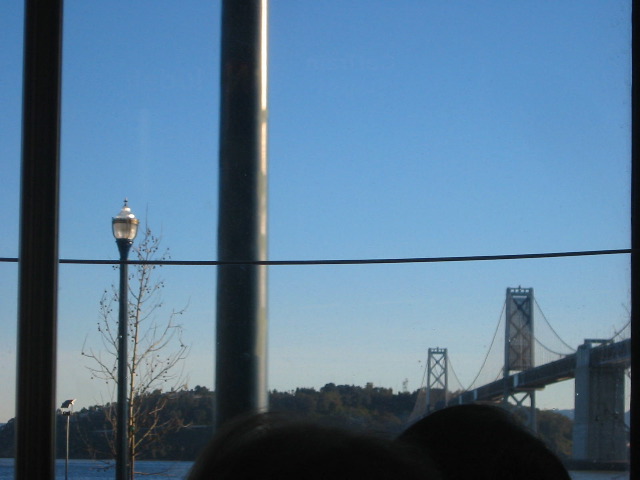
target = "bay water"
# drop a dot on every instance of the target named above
(97, 470)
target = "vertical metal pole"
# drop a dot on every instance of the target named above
(122, 429)
(635, 240)
(66, 463)
(242, 228)
(507, 334)
(38, 267)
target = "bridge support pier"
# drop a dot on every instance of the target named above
(599, 433)
(520, 400)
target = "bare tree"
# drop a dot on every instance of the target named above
(156, 352)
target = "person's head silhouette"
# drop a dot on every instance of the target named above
(483, 442)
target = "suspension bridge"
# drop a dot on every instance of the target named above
(598, 367)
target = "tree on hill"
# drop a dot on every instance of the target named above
(156, 353)
(370, 409)
(556, 431)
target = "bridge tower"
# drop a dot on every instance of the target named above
(437, 379)
(599, 432)
(519, 347)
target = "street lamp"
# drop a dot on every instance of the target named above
(67, 410)
(125, 228)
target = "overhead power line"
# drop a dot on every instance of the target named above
(369, 261)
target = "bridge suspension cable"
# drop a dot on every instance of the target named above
(486, 357)
(571, 349)
(560, 354)
(455, 375)
(622, 329)
(424, 377)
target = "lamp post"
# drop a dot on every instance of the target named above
(125, 228)
(67, 410)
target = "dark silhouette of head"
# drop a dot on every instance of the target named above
(483, 442)
(270, 447)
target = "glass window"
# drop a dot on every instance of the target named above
(396, 130)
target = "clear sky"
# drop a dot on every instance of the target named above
(409, 128)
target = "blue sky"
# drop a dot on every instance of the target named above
(396, 129)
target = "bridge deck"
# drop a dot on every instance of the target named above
(618, 353)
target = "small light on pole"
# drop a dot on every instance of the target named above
(125, 229)
(67, 410)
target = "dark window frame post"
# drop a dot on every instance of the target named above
(38, 258)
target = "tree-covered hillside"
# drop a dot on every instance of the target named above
(373, 409)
